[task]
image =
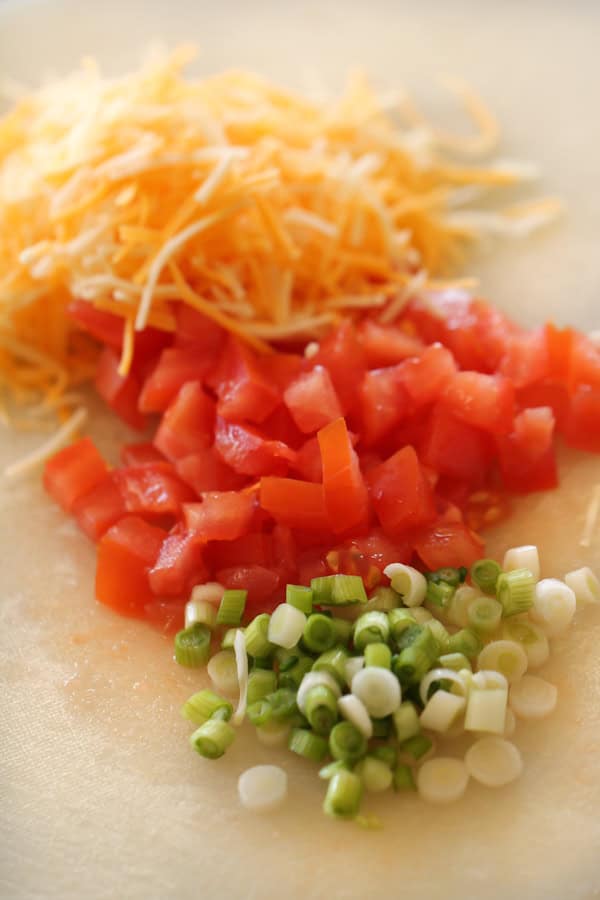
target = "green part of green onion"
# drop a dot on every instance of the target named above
(417, 746)
(347, 589)
(300, 596)
(372, 627)
(319, 633)
(282, 703)
(413, 663)
(286, 659)
(293, 675)
(261, 682)
(322, 589)
(387, 754)
(378, 655)
(256, 636)
(485, 574)
(374, 773)
(320, 708)
(466, 642)
(334, 662)
(454, 661)
(333, 768)
(382, 728)
(400, 620)
(307, 744)
(231, 607)
(515, 591)
(343, 797)
(448, 575)
(343, 630)
(440, 634)
(213, 738)
(484, 614)
(204, 704)
(192, 645)
(262, 662)
(384, 599)
(228, 639)
(406, 721)
(440, 593)
(408, 636)
(404, 779)
(259, 713)
(347, 743)
(222, 713)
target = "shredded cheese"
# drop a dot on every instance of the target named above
(591, 518)
(267, 211)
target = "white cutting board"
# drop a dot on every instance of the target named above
(100, 795)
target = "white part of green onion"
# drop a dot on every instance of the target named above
(262, 788)
(510, 723)
(286, 626)
(274, 734)
(442, 780)
(375, 775)
(442, 675)
(408, 582)
(487, 703)
(507, 657)
(493, 761)
(459, 604)
(531, 638)
(355, 711)
(353, 665)
(379, 690)
(489, 680)
(315, 679)
(222, 671)
(241, 659)
(211, 592)
(585, 585)
(200, 611)
(533, 697)
(525, 557)
(554, 606)
(421, 615)
(441, 711)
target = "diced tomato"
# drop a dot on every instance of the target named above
(126, 553)
(187, 425)
(559, 348)
(585, 363)
(100, 508)
(383, 404)
(261, 584)
(175, 367)
(346, 498)
(152, 489)
(119, 392)
(283, 368)
(526, 456)
(138, 454)
(456, 449)
(484, 401)
(244, 392)
(341, 353)
(298, 504)
(451, 545)
(221, 516)
(379, 549)
(312, 400)
(547, 392)
(424, 377)
(582, 428)
(167, 616)
(108, 328)
(280, 426)
(73, 472)
(385, 345)
(205, 471)
(253, 548)
(195, 330)
(401, 493)
(284, 553)
(308, 461)
(248, 452)
(525, 359)
(179, 565)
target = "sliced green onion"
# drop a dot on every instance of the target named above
(439, 593)
(322, 588)
(383, 599)
(346, 742)
(440, 634)
(404, 779)
(213, 738)
(442, 780)
(585, 585)
(347, 589)
(262, 788)
(486, 703)
(319, 633)
(320, 708)
(526, 557)
(554, 606)
(449, 575)
(259, 712)
(343, 797)
(387, 754)
(533, 697)
(371, 627)
(353, 665)
(447, 678)
(455, 661)
(203, 704)
(231, 608)
(412, 634)
(300, 597)
(332, 769)
(192, 646)
(411, 665)
(209, 592)
(355, 712)
(241, 663)
(493, 761)
(379, 690)
(200, 611)
(441, 711)
(222, 671)
(466, 642)
(283, 704)
(507, 657)
(416, 747)
(406, 721)
(305, 743)
(485, 574)
(228, 639)
(333, 661)
(274, 734)
(408, 582)
(457, 611)
(314, 679)
(261, 682)
(422, 616)
(378, 655)
(343, 630)
(382, 728)
(515, 591)
(256, 636)
(286, 626)
(532, 639)
(484, 614)
(399, 621)
(376, 775)
(262, 662)
(292, 676)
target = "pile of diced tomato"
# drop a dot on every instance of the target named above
(387, 443)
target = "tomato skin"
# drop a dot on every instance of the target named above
(425, 377)
(526, 456)
(456, 449)
(253, 548)
(167, 616)
(385, 345)
(206, 471)
(483, 401)
(187, 425)
(384, 403)
(559, 344)
(248, 452)
(341, 353)
(401, 493)
(345, 492)
(100, 508)
(221, 516)
(179, 565)
(73, 472)
(582, 427)
(174, 368)
(126, 553)
(297, 504)
(140, 453)
(307, 463)
(120, 392)
(152, 489)
(261, 584)
(448, 544)
(244, 393)
(312, 400)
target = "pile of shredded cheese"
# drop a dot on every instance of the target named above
(270, 213)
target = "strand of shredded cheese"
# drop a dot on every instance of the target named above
(40, 454)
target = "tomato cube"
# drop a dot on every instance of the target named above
(298, 504)
(401, 492)
(525, 359)
(73, 472)
(260, 583)
(307, 463)
(221, 516)
(386, 345)
(526, 456)
(346, 498)
(188, 423)
(152, 489)
(205, 471)
(341, 353)
(179, 565)
(100, 508)
(126, 553)
(120, 392)
(484, 401)
(383, 404)
(449, 544)
(456, 449)
(175, 367)
(140, 453)
(244, 392)
(424, 377)
(312, 400)
(582, 428)
(248, 452)
(197, 331)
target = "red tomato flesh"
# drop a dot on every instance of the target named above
(312, 400)
(187, 425)
(73, 472)
(221, 516)
(126, 553)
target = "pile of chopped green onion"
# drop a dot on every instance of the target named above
(363, 686)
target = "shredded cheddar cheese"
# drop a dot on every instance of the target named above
(271, 214)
